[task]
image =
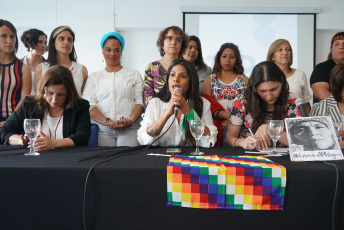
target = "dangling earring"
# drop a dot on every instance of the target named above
(163, 52)
(44, 95)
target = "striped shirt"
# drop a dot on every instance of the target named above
(326, 107)
(10, 90)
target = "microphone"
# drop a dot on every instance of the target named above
(176, 106)
(301, 104)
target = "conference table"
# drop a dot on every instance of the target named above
(129, 191)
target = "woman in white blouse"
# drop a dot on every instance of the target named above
(159, 113)
(115, 96)
(281, 53)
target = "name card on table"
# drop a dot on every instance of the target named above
(313, 139)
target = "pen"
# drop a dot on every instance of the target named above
(249, 128)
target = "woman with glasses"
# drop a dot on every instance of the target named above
(35, 42)
(62, 52)
(172, 42)
(15, 77)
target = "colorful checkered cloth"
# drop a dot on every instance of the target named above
(225, 182)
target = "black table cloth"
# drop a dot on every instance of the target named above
(129, 192)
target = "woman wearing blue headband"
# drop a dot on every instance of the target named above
(115, 96)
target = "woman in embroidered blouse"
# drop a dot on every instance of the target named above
(62, 52)
(15, 77)
(171, 42)
(115, 96)
(281, 53)
(225, 84)
(35, 42)
(193, 54)
(64, 115)
(159, 112)
(267, 97)
(333, 106)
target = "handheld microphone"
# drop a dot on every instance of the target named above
(301, 104)
(175, 106)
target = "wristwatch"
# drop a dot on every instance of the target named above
(106, 120)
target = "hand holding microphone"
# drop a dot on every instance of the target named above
(175, 108)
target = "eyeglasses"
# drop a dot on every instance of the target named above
(170, 38)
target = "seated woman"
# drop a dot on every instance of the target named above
(64, 115)
(267, 97)
(159, 112)
(333, 106)
(115, 96)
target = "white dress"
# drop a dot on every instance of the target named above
(33, 92)
(298, 85)
(76, 70)
(174, 136)
(115, 95)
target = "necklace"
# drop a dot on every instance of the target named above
(50, 133)
(29, 61)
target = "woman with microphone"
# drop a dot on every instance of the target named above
(181, 90)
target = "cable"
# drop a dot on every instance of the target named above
(109, 159)
(335, 194)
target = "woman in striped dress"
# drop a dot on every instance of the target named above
(15, 77)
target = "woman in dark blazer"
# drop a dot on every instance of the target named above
(64, 115)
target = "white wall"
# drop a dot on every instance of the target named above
(140, 21)
(88, 19)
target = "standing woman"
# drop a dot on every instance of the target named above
(193, 54)
(115, 96)
(281, 53)
(15, 77)
(321, 74)
(225, 84)
(62, 52)
(35, 42)
(172, 42)
(266, 98)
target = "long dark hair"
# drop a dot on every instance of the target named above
(256, 106)
(199, 62)
(238, 68)
(13, 29)
(52, 59)
(193, 97)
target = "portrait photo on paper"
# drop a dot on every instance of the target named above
(312, 139)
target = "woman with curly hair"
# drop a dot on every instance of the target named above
(225, 84)
(172, 42)
(35, 42)
(266, 98)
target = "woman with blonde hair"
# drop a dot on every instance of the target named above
(281, 53)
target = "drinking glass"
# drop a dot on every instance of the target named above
(32, 128)
(275, 130)
(197, 129)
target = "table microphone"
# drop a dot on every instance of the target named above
(176, 106)
(300, 102)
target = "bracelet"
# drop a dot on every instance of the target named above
(235, 141)
(216, 114)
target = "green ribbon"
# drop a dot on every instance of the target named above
(190, 116)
